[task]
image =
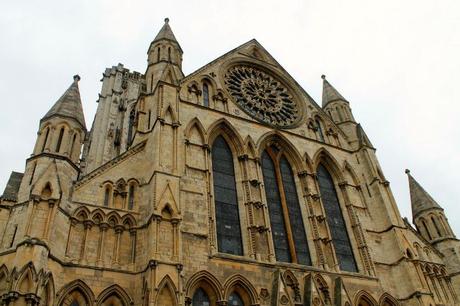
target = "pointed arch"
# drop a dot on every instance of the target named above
(238, 283)
(82, 213)
(192, 126)
(224, 128)
(166, 293)
(97, 216)
(170, 113)
(323, 156)
(46, 291)
(322, 287)
(113, 218)
(208, 283)
(128, 220)
(76, 290)
(4, 278)
(387, 300)
(348, 169)
(289, 150)
(117, 292)
(334, 213)
(167, 200)
(250, 147)
(363, 298)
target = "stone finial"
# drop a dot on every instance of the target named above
(407, 171)
(323, 77)
(166, 20)
(76, 78)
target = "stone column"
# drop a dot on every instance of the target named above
(100, 249)
(116, 249)
(49, 218)
(87, 225)
(132, 233)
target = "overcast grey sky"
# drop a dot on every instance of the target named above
(397, 62)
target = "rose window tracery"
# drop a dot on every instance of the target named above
(262, 96)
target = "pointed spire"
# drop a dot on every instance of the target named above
(420, 199)
(330, 93)
(69, 104)
(166, 34)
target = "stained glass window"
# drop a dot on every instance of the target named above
(226, 202)
(200, 298)
(235, 300)
(275, 210)
(295, 215)
(75, 303)
(276, 173)
(335, 221)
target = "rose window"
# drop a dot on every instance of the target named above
(262, 96)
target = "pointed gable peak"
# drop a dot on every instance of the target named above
(69, 104)
(166, 34)
(420, 199)
(330, 93)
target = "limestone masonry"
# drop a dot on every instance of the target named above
(228, 186)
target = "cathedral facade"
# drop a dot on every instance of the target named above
(227, 186)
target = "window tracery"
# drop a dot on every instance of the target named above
(288, 230)
(335, 220)
(262, 96)
(225, 199)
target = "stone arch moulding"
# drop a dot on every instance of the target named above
(363, 298)
(225, 129)
(387, 300)
(78, 285)
(27, 274)
(291, 153)
(322, 156)
(117, 291)
(195, 123)
(238, 280)
(167, 284)
(212, 284)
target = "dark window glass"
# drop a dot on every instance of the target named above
(59, 142)
(200, 298)
(235, 300)
(275, 210)
(436, 226)
(131, 197)
(226, 202)
(335, 221)
(320, 130)
(426, 229)
(46, 139)
(73, 144)
(295, 215)
(75, 303)
(205, 95)
(107, 196)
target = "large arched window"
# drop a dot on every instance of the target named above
(200, 298)
(288, 230)
(226, 202)
(335, 221)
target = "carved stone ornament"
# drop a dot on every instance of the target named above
(262, 96)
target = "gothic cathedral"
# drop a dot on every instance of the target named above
(227, 186)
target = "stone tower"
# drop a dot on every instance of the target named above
(432, 224)
(226, 186)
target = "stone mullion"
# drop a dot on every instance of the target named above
(133, 237)
(49, 219)
(50, 139)
(211, 225)
(266, 216)
(73, 222)
(435, 287)
(157, 235)
(303, 176)
(87, 225)
(32, 203)
(116, 250)
(357, 231)
(251, 227)
(175, 239)
(443, 288)
(100, 247)
(322, 218)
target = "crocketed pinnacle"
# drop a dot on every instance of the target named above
(420, 199)
(69, 104)
(330, 93)
(166, 34)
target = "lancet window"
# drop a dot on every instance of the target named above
(200, 298)
(288, 230)
(335, 220)
(225, 196)
(205, 95)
